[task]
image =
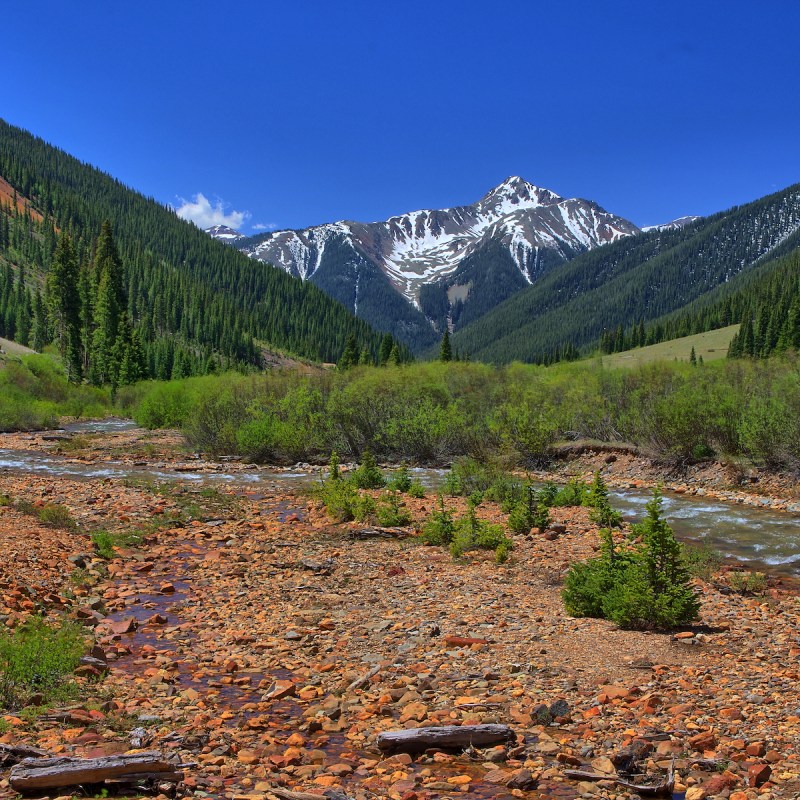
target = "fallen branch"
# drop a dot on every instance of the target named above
(360, 683)
(51, 773)
(379, 533)
(415, 740)
(663, 789)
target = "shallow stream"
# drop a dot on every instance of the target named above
(759, 537)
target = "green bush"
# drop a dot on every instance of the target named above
(368, 476)
(391, 512)
(35, 659)
(597, 499)
(440, 528)
(364, 508)
(340, 498)
(416, 489)
(400, 480)
(472, 533)
(56, 516)
(468, 475)
(636, 586)
(573, 493)
(529, 513)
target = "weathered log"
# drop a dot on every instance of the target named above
(14, 753)
(380, 533)
(50, 773)
(415, 740)
(286, 794)
(176, 776)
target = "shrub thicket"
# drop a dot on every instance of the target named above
(437, 412)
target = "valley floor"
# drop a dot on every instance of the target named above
(267, 647)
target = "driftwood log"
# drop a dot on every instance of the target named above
(663, 789)
(380, 533)
(50, 773)
(447, 737)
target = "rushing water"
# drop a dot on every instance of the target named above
(759, 537)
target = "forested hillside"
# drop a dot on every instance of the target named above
(193, 303)
(633, 281)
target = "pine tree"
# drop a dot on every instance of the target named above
(349, 356)
(445, 351)
(63, 305)
(110, 306)
(40, 322)
(386, 349)
(693, 358)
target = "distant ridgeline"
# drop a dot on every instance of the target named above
(655, 286)
(147, 295)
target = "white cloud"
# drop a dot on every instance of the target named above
(200, 211)
(260, 226)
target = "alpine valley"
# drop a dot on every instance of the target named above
(417, 272)
(524, 273)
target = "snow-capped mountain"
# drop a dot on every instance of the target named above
(671, 226)
(224, 233)
(493, 247)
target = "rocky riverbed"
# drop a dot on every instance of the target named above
(266, 647)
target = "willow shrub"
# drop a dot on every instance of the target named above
(435, 412)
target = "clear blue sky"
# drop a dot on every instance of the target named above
(305, 112)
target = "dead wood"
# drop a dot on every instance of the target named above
(415, 740)
(50, 773)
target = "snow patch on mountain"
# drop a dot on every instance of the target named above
(426, 246)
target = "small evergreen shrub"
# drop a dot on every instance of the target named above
(364, 508)
(368, 476)
(472, 533)
(416, 489)
(528, 513)
(572, 494)
(642, 586)
(400, 480)
(440, 528)
(468, 475)
(391, 512)
(340, 498)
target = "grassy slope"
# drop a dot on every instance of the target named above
(12, 348)
(711, 345)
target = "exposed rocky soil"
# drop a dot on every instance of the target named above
(255, 640)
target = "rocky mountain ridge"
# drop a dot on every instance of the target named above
(530, 228)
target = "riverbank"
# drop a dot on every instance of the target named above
(256, 640)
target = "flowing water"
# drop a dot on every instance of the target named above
(759, 537)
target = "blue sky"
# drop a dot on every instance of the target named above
(300, 113)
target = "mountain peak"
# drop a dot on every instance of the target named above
(223, 233)
(515, 191)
